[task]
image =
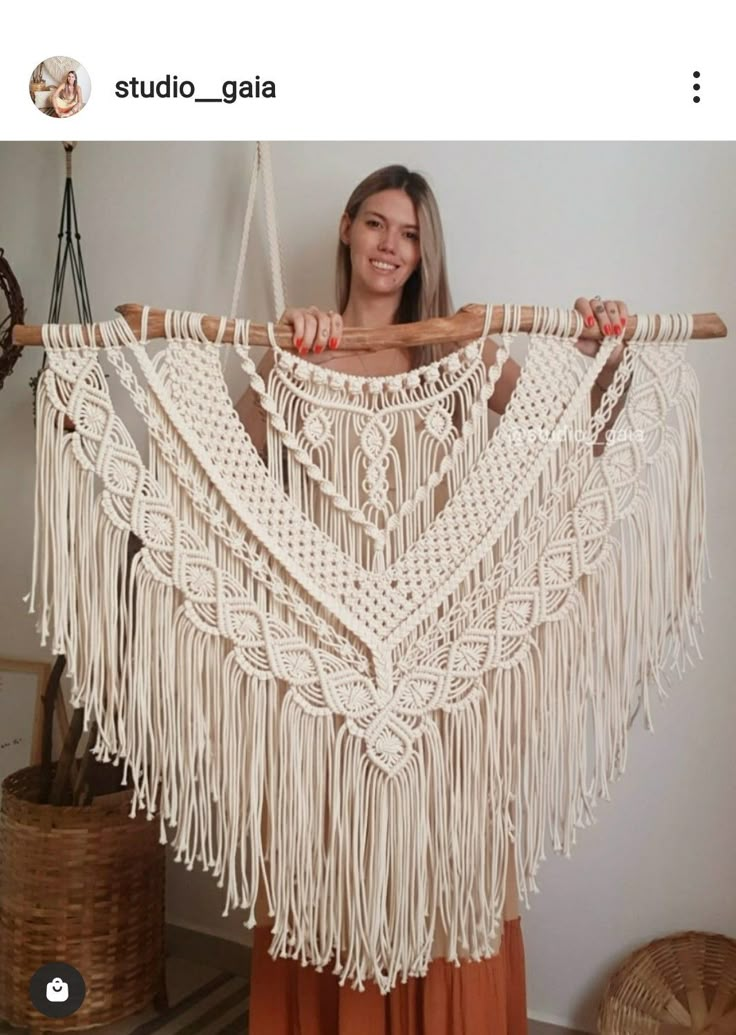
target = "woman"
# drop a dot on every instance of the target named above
(67, 97)
(391, 269)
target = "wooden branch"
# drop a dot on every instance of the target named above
(465, 325)
(66, 768)
(49, 699)
(82, 793)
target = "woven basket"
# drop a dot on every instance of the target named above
(683, 983)
(82, 885)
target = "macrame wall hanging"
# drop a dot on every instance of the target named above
(365, 697)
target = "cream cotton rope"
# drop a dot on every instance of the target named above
(361, 677)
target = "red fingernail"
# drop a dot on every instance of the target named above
(318, 348)
(298, 342)
(617, 328)
(333, 343)
(607, 329)
(303, 350)
(589, 321)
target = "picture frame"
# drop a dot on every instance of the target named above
(22, 684)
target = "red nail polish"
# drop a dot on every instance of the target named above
(607, 329)
(589, 321)
(298, 342)
(318, 348)
(303, 350)
(333, 343)
(617, 328)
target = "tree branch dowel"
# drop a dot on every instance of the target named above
(465, 325)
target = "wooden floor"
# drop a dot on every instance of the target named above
(538, 1028)
(234, 958)
(207, 984)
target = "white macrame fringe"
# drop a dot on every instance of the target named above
(368, 874)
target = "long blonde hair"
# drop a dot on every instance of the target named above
(426, 293)
(76, 80)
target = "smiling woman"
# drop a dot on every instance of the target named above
(391, 264)
(391, 269)
(67, 99)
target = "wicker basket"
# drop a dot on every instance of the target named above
(686, 982)
(82, 885)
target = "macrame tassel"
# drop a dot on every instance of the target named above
(56, 475)
(183, 734)
(435, 885)
(80, 559)
(631, 620)
(140, 669)
(249, 753)
(475, 829)
(347, 871)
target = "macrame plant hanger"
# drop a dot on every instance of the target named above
(68, 254)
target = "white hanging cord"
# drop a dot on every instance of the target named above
(262, 166)
(487, 322)
(274, 248)
(246, 231)
(144, 325)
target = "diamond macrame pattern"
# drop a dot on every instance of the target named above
(501, 633)
(381, 608)
(317, 429)
(388, 711)
(386, 398)
(195, 385)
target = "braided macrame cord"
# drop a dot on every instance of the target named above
(364, 681)
(261, 171)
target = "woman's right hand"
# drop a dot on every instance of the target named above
(313, 328)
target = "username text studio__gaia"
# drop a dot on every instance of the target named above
(170, 87)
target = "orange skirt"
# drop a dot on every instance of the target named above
(485, 998)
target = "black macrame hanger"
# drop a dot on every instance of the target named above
(68, 256)
(69, 252)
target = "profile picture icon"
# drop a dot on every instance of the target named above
(60, 87)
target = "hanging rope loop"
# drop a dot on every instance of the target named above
(261, 167)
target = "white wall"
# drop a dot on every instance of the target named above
(653, 224)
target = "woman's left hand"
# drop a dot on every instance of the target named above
(611, 317)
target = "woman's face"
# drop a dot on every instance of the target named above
(384, 241)
(71, 78)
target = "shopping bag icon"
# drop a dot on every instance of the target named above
(57, 991)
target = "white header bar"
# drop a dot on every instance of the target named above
(342, 71)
